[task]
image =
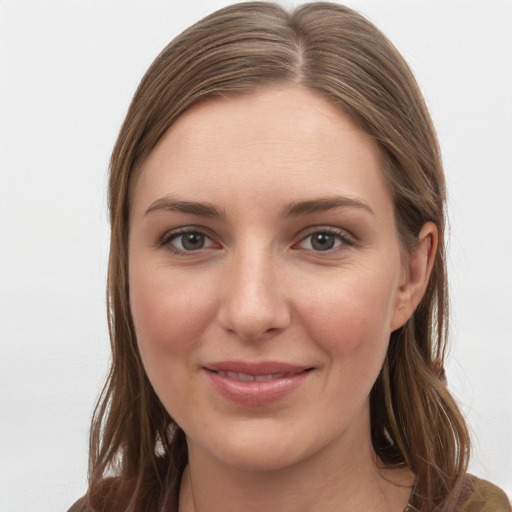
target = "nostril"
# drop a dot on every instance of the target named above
(254, 327)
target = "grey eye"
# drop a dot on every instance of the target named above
(190, 241)
(321, 241)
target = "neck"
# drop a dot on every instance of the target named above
(345, 476)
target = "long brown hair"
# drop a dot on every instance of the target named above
(137, 452)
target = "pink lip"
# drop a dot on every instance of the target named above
(255, 384)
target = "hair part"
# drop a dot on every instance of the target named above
(337, 53)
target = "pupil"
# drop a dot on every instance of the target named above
(193, 241)
(322, 242)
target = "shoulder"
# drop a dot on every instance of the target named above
(478, 495)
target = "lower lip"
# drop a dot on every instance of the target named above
(253, 393)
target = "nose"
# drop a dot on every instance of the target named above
(253, 305)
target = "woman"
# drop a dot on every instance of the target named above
(277, 286)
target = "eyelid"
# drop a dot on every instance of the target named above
(346, 238)
(165, 240)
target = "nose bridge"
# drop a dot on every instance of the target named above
(253, 302)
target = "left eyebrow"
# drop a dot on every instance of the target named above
(323, 204)
(193, 207)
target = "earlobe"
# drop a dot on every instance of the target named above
(417, 274)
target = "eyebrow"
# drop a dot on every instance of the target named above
(323, 204)
(294, 209)
(173, 204)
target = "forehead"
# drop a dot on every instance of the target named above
(278, 142)
(293, 116)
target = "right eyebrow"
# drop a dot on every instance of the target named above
(174, 204)
(323, 204)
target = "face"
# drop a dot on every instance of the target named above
(265, 277)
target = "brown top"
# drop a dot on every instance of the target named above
(482, 496)
(475, 496)
(478, 495)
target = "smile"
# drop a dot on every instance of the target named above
(245, 377)
(257, 385)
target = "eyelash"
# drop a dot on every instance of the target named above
(344, 239)
(167, 239)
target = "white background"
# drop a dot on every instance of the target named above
(68, 70)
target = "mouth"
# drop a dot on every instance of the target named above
(245, 377)
(256, 384)
(256, 369)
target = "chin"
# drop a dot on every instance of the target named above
(264, 446)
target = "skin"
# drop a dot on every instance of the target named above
(257, 288)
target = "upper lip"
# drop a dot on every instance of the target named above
(256, 368)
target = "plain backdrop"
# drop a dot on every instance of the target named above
(68, 70)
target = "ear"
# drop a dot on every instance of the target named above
(416, 275)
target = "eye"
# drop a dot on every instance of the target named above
(187, 241)
(325, 240)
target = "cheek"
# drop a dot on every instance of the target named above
(349, 318)
(169, 317)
